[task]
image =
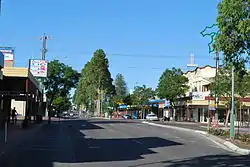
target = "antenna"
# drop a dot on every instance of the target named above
(191, 62)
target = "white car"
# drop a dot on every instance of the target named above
(152, 117)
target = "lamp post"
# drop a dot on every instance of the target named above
(232, 132)
(44, 39)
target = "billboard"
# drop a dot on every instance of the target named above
(1, 60)
(199, 95)
(8, 53)
(38, 68)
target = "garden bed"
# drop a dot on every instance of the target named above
(241, 140)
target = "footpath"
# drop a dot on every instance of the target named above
(16, 134)
(202, 129)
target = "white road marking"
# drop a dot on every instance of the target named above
(138, 142)
(40, 148)
(93, 147)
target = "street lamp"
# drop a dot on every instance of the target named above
(232, 133)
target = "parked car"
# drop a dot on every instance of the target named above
(152, 117)
(127, 116)
(135, 117)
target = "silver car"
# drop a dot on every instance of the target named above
(152, 117)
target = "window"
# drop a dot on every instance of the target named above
(205, 88)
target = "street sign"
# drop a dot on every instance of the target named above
(38, 68)
(167, 103)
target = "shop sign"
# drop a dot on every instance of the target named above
(199, 95)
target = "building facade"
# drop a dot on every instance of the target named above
(198, 103)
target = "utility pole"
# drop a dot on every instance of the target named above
(44, 38)
(44, 49)
(216, 82)
(232, 108)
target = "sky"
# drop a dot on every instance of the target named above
(140, 37)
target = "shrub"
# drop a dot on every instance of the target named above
(243, 137)
(226, 133)
(219, 132)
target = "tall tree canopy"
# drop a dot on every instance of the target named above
(95, 81)
(142, 94)
(60, 80)
(120, 88)
(62, 103)
(223, 85)
(172, 84)
(234, 24)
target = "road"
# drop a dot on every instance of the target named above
(118, 143)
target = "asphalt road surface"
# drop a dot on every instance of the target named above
(117, 143)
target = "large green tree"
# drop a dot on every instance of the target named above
(62, 103)
(234, 30)
(60, 80)
(85, 92)
(172, 85)
(95, 82)
(121, 89)
(142, 94)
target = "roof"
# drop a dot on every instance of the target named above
(199, 68)
(15, 72)
(20, 72)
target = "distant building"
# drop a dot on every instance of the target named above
(198, 101)
(196, 106)
(9, 56)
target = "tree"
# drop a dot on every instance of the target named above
(172, 85)
(222, 87)
(60, 80)
(95, 82)
(142, 94)
(84, 93)
(234, 36)
(121, 89)
(128, 100)
(62, 103)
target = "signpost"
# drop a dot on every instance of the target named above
(38, 68)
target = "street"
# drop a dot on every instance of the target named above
(117, 143)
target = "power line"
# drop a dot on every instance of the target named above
(147, 55)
